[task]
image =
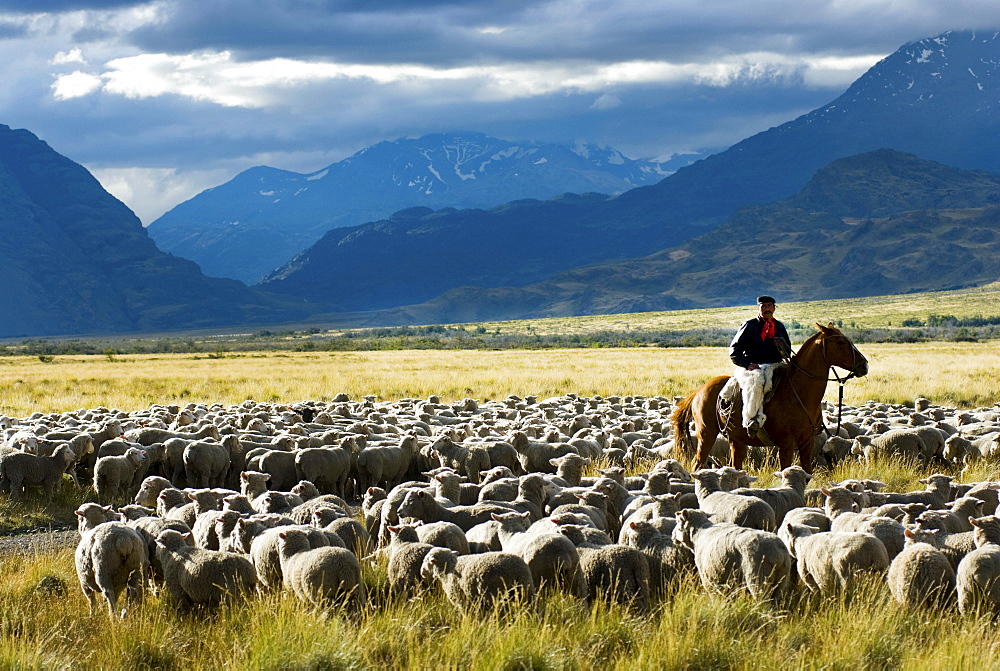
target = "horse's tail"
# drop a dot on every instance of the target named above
(681, 419)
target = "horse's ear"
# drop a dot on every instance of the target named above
(823, 328)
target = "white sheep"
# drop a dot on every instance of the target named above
(978, 575)
(729, 556)
(480, 581)
(196, 577)
(832, 561)
(320, 576)
(746, 511)
(111, 558)
(553, 559)
(922, 576)
(113, 475)
(21, 469)
(149, 489)
(616, 573)
(790, 494)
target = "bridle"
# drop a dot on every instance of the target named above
(830, 368)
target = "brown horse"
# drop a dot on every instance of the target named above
(793, 411)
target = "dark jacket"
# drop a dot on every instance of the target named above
(747, 346)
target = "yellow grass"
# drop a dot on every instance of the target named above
(960, 374)
(866, 312)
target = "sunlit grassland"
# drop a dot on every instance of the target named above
(866, 312)
(44, 620)
(958, 374)
(44, 623)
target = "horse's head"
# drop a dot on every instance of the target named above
(839, 351)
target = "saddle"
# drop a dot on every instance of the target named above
(729, 405)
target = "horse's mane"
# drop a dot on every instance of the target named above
(817, 338)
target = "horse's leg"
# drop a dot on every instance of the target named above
(738, 452)
(805, 456)
(707, 431)
(786, 449)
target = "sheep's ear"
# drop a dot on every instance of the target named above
(908, 533)
(974, 522)
(922, 481)
(526, 515)
(282, 534)
(631, 525)
(826, 492)
(243, 477)
(79, 514)
(495, 517)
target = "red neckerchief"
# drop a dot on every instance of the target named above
(768, 330)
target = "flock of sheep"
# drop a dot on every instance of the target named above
(489, 500)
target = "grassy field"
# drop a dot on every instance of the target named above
(44, 621)
(868, 312)
(957, 374)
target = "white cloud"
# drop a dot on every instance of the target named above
(606, 101)
(74, 55)
(149, 192)
(75, 85)
(218, 78)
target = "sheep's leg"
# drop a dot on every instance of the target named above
(91, 596)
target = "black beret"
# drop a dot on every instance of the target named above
(765, 299)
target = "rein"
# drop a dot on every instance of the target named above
(830, 368)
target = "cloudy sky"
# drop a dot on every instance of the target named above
(163, 99)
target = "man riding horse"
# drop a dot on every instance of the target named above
(758, 345)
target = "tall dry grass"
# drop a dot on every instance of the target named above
(958, 374)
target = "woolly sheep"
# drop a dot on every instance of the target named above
(406, 555)
(479, 581)
(445, 535)
(21, 469)
(281, 467)
(379, 465)
(468, 460)
(89, 515)
(196, 577)
(327, 467)
(111, 558)
(318, 575)
(552, 558)
(921, 576)
(420, 505)
(266, 558)
(113, 475)
(746, 511)
(832, 561)
(616, 573)
(535, 457)
(729, 556)
(978, 575)
(790, 494)
(354, 535)
(666, 560)
(206, 462)
(149, 489)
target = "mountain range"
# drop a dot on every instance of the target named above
(936, 98)
(74, 259)
(879, 223)
(890, 187)
(260, 219)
